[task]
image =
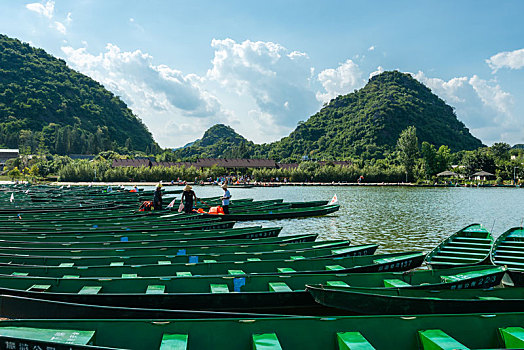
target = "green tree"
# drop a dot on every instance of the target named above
(14, 173)
(500, 150)
(429, 157)
(407, 146)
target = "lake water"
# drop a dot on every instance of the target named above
(396, 218)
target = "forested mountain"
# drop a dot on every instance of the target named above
(368, 122)
(365, 123)
(219, 141)
(46, 106)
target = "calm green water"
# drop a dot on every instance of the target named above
(396, 218)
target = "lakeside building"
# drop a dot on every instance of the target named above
(7, 153)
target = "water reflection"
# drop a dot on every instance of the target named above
(396, 218)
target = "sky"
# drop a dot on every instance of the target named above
(262, 67)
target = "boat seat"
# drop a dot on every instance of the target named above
(90, 290)
(164, 262)
(219, 288)
(433, 339)
(334, 267)
(38, 288)
(117, 263)
(155, 289)
(285, 269)
(395, 258)
(62, 336)
(279, 287)
(66, 265)
(254, 259)
(174, 342)
(464, 254)
(513, 337)
(455, 247)
(267, 341)
(184, 274)
(469, 244)
(70, 276)
(193, 259)
(20, 274)
(337, 284)
(181, 252)
(297, 257)
(353, 341)
(395, 283)
(210, 261)
(456, 259)
(236, 272)
(471, 239)
(129, 275)
(489, 298)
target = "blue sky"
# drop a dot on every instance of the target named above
(262, 67)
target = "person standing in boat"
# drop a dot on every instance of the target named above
(188, 198)
(225, 199)
(157, 199)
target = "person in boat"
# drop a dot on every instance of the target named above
(188, 198)
(157, 199)
(225, 199)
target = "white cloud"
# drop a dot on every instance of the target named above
(340, 81)
(507, 59)
(379, 70)
(485, 108)
(492, 95)
(46, 10)
(274, 78)
(60, 27)
(371, 48)
(160, 95)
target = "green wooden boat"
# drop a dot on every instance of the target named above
(401, 301)
(127, 241)
(280, 213)
(183, 247)
(320, 251)
(350, 332)
(95, 237)
(373, 263)
(199, 224)
(469, 246)
(15, 307)
(280, 294)
(508, 250)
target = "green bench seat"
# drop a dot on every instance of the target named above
(155, 289)
(219, 288)
(38, 288)
(268, 341)
(66, 265)
(436, 339)
(90, 290)
(395, 283)
(117, 263)
(285, 269)
(337, 284)
(174, 342)
(279, 287)
(513, 337)
(184, 274)
(353, 341)
(334, 267)
(236, 272)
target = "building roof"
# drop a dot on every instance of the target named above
(131, 162)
